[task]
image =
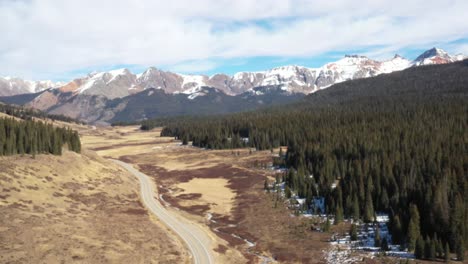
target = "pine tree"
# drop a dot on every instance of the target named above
(413, 228)
(428, 248)
(384, 246)
(460, 250)
(419, 248)
(458, 224)
(338, 214)
(432, 249)
(439, 248)
(355, 209)
(377, 238)
(2, 136)
(287, 192)
(20, 140)
(447, 252)
(369, 209)
(353, 232)
(397, 232)
(327, 225)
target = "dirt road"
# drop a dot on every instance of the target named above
(197, 241)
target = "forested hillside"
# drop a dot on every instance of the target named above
(33, 137)
(396, 143)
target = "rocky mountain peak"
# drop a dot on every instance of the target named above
(291, 78)
(435, 54)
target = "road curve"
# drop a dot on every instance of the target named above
(195, 238)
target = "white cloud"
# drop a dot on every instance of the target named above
(193, 66)
(48, 38)
(461, 48)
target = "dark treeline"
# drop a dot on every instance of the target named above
(29, 113)
(395, 144)
(163, 121)
(35, 137)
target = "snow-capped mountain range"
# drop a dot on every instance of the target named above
(293, 79)
(12, 86)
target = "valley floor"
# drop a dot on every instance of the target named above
(85, 208)
(222, 192)
(77, 207)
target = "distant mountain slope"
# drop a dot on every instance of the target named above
(123, 96)
(435, 81)
(151, 103)
(424, 87)
(294, 79)
(156, 103)
(13, 86)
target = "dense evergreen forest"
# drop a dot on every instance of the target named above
(396, 143)
(33, 137)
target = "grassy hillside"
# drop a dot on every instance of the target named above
(77, 207)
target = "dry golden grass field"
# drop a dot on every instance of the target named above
(77, 208)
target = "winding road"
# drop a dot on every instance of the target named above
(195, 238)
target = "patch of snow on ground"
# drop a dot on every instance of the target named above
(340, 255)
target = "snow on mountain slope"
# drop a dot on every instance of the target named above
(292, 79)
(398, 63)
(435, 56)
(119, 72)
(192, 81)
(89, 83)
(113, 84)
(13, 86)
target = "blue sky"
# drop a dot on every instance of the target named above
(61, 40)
(232, 66)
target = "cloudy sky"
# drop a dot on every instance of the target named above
(59, 40)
